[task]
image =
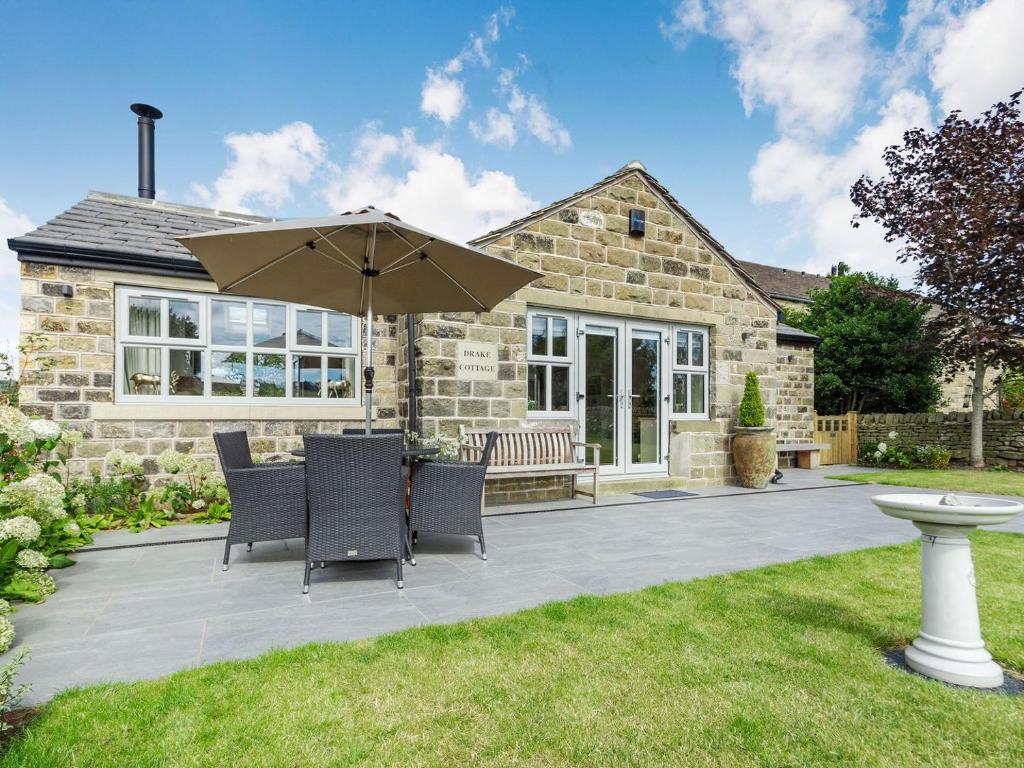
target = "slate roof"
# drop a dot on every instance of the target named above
(109, 225)
(783, 283)
(788, 333)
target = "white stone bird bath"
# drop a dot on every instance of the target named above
(949, 646)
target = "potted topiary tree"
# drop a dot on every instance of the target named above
(753, 445)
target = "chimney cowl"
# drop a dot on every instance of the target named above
(148, 115)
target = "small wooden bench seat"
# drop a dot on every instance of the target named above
(808, 455)
(540, 452)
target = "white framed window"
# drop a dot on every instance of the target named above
(690, 367)
(183, 347)
(549, 355)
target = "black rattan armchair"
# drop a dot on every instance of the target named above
(448, 496)
(268, 501)
(356, 499)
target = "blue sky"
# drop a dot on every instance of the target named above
(757, 114)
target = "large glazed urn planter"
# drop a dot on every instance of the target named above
(753, 452)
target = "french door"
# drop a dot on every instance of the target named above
(622, 393)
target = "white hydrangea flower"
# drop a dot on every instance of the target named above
(73, 528)
(198, 504)
(893, 435)
(5, 607)
(883, 447)
(6, 634)
(72, 437)
(124, 462)
(23, 528)
(878, 454)
(172, 462)
(38, 496)
(31, 560)
(14, 424)
(78, 501)
(44, 429)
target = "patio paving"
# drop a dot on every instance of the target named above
(140, 612)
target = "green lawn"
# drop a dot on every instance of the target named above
(778, 666)
(971, 480)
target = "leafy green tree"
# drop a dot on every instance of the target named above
(1013, 388)
(876, 355)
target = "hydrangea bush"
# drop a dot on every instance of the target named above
(896, 451)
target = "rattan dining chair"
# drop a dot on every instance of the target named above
(356, 499)
(268, 501)
(448, 496)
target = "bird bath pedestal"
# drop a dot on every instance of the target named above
(949, 646)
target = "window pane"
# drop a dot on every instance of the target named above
(559, 388)
(679, 393)
(309, 330)
(536, 389)
(268, 376)
(341, 377)
(186, 376)
(696, 349)
(228, 321)
(306, 376)
(339, 330)
(142, 371)
(183, 318)
(539, 345)
(227, 374)
(682, 343)
(268, 325)
(696, 393)
(559, 337)
(143, 316)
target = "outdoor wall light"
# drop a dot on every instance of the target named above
(67, 291)
(637, 225)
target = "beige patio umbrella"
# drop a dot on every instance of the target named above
(365, 263)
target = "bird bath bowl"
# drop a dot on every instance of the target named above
(949, 646)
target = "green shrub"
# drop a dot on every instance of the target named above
(895, 451)
(751, 406)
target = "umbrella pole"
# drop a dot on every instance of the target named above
(368, 369)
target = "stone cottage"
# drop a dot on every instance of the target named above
(639, 335)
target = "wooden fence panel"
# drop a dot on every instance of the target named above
(840, 434)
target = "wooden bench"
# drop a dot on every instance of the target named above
(535, 453)
(808, 455)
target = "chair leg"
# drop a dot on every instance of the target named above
(227, 554)
(323, 563)
(401, 582)
(305, 580)
(249, 548)
(483, 548)
(408, 548)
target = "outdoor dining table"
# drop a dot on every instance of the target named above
(409, 454)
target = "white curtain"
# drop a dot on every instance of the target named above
(142, 364)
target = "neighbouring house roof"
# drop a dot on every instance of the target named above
(638, 169)
(129, 233)
(785, 284)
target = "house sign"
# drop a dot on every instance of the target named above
(475, 361)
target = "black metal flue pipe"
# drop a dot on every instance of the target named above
(147, 148)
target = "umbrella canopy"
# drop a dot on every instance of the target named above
(365, 263)
(355, 263)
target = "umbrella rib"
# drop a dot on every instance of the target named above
(396, 264)
(458, 285)
(327, 239)
(262, 268)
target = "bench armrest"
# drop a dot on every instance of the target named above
(595, 447)
(585, 445)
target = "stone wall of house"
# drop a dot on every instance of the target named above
(1003, 433)
(956, 392)
(794, 416)
(592, 264)
(78, 333)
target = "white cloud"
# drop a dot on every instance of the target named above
(264, 167)
(815, 186)
(12, 224)
(422, 183)
(500, 129)
(804, 59)
(980, 60)
(444, 96)
(525, 112)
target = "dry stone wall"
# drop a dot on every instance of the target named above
(1004, 432)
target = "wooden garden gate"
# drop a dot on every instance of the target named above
(839, 433)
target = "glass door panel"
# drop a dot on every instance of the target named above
(601, 391)
(644, 401)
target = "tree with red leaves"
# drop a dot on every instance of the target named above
(954, 201)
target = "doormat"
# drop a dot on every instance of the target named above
(668, 494)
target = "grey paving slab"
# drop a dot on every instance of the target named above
(141, 612)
